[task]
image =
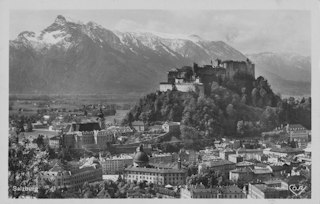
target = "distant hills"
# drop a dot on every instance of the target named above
(71, 57)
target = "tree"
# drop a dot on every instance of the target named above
(29, 127)
(25, 165)
(240, 128)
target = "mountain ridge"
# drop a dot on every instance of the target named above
(73, 57)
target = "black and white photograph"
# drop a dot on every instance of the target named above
(168, 102)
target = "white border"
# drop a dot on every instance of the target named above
(312, 5)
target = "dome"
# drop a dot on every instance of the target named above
(140, 157)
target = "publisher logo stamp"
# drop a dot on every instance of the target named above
(297, 189)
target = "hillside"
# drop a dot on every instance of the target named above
(245, 107)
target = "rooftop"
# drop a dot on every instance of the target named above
(230, 189)
(83, 127)
(218, 163)
(242, 170)
(138, 123)
(296, 126)
(261, 171)
(285, 150)
(153, 170)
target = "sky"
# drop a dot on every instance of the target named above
(249, 31)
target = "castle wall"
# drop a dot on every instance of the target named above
(185, 87)
(165, 87)
(189, 87)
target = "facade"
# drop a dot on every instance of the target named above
(234, 67)
(55, 142)
(235, 158)
(241, 174)
(224, 154)
(103, 137)
(68, 140)
(224, 166)
(139, 126)
(263, 191)
(86, 136)
(250, 153)
(115, 165)
(262, 173)
(171, 127)
(156, 176)
(140, 171)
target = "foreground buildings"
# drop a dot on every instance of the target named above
(142, 171)
(199, 191)
(91, 171)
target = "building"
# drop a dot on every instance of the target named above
(225, 153)
(263, 191)
(199, 191)
(245, 174)
(115, 165)
(283, 152)
(235, 158)
(234, 68)
(139, 126)
(103, 137)
(142, 171)
(81, 127)
(171, 127)
(232, 192)
(55, 142)
(166, 193)
(262, 173)
(68, 140)
(277, 170)
(86, 135)
(244, 164)
(73, 179)
(250, 153)
(224, 166)
(195, 78)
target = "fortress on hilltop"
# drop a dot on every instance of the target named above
(190, 78)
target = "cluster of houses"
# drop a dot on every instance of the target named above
(266, 169)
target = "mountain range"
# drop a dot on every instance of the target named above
(71, 57)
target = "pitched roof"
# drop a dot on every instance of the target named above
(154, 170)
(277, 168)
(86, 127)
(137, 123)
(77, 171)
(242, 170)
(296, 126)
(219, 163)
(231, 189)
(261, 171)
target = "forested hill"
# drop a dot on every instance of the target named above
(242, 108)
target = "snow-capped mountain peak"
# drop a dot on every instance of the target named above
(62, 20)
